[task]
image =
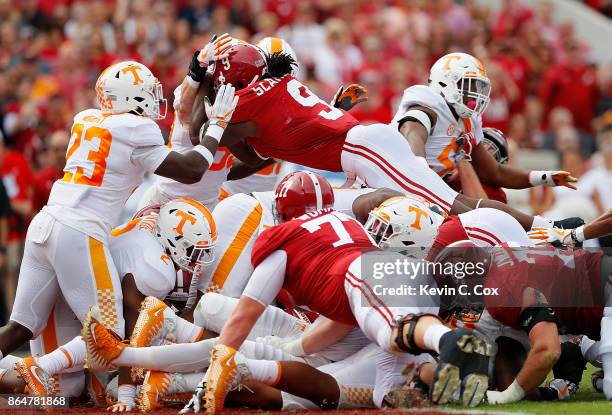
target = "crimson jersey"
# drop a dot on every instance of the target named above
(320, 246)
(293, 123)
(569, 280)
(450, 231)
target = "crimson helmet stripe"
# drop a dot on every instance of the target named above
(317, 188)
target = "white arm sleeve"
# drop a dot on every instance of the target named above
(150, 157)
(267, 278)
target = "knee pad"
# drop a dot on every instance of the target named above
(402, 334)
(213, 310)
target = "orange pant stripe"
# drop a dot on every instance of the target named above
(104, 286)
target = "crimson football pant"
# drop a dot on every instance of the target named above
(381, 157)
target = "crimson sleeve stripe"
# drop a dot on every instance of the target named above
(398, 173)
(381, 304)
(482, 238)
(491, 235)
(375, 307)
(402, 185)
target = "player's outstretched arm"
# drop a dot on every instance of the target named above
(416, 126)
(190, 166)
(500, 175)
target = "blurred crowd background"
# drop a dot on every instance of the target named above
(549, 93)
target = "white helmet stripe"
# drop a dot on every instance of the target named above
(317, 187)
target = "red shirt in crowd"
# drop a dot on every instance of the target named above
(573, 87)
(18, 180)
(43, 181)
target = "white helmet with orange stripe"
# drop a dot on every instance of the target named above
(272, 45)
(130, 86)
(404, 222)
(186, 229)
(462, 80)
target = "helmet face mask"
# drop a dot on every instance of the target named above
(496, 144)
(475, 95)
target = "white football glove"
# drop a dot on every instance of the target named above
(553, 236)
(215, 50)
(195, 403)
(221, 111)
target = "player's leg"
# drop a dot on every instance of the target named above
(380, 156)
(88, 277)
(238, 219)
(37, 289)
(493, 227)
(214, 309)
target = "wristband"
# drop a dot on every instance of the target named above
(208, 156)
(478, 204)
(126, 393)
(577, 234)
(214, 131)
(538, 177)
(294, 347)
(192, 83)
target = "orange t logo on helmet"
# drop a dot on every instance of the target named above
(419, 213)
(134, 70)
(184, 218)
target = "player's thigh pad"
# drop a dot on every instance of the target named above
(238, 219)
(37, 288)
(380, 156)
(87, 276)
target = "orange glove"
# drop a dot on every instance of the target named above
(346, 99)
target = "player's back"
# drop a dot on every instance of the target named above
(105, 162)
(320, 246)
(293, 123)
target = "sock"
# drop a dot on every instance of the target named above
(180, 357)
(64, 357)
(356, 396)
(590, 350)
(267, 372)
(187, 332)
(432, 336)
(8, 362)
(262, 351)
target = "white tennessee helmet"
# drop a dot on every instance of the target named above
(404, 222)
(462, 80)
(130, 86)
(272, 45)
(187, 231)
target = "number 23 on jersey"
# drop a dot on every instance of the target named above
(77, 160)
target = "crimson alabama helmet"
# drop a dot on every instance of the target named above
(244, 65)
(301, 192)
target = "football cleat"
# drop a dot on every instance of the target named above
(227, 369)
(38, 382)
(154, 387)
(155, 326)
(462, 369)
(102, 345)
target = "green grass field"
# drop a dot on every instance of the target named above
(585, 402)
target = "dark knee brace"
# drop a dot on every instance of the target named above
(402, 336)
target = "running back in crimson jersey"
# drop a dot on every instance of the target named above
(294, 124)
(320, 246)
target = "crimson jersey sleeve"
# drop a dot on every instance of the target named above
(270, 240)
(450, 231)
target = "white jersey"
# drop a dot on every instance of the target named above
(262, 181)
(135, 250)
(207, 189)
(106, 160)
(441, 144)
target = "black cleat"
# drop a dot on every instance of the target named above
(463, 367)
